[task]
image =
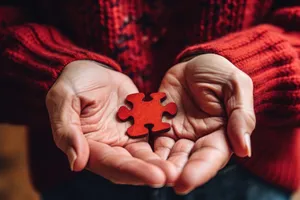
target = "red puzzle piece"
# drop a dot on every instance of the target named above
(146, 112)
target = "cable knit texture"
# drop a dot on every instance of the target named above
(142, 39)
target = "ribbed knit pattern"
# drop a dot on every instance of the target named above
(272, 62)
(142, 39)
(36, 54)
(276, 156)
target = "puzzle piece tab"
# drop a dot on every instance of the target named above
(146, 113)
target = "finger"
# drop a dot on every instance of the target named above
(163, 146)
(64, 111)
(209, 155)
(241, 117)
(180, 153)
(143, 151)
(122, 168)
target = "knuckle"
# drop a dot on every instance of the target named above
(62, 138)
(238, 75)
(58, 91)
(247, 80)
(239, 79)
(50, 96)
(58, 136)
(56, 99)
(250, 118)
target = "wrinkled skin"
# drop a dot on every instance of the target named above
(215, 104)
(215, 118)
(82, 107)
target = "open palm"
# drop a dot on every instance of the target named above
(208, 109)
(82, 107)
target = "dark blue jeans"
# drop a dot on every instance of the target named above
(232, 183)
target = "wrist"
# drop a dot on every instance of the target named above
(88, 62)
(214, 60)
(101, 64)
(194, 55)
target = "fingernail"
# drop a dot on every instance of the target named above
(180, 190)
(157, 185)
(170, 184)
(248, 144)
(71, 157)
(182, 193)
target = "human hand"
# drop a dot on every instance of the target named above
(215, 102)
(82, 106)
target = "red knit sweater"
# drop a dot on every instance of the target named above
(143, 38)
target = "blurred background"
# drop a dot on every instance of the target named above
(14, 174)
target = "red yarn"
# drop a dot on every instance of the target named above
(142, 39)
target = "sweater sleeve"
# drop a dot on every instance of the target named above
(31, 58)
(269, 54)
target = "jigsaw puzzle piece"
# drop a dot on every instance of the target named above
(137, 130)
(146, 112)
(171, 108)
(160, 127)
(136, 98)
(124, 113)
(158, 96)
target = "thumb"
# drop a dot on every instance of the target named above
(64, 113)
(241, 116)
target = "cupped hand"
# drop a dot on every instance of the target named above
(82, 106)
(215, 117)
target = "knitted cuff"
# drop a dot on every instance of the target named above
(273, 64)
(36, 54)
